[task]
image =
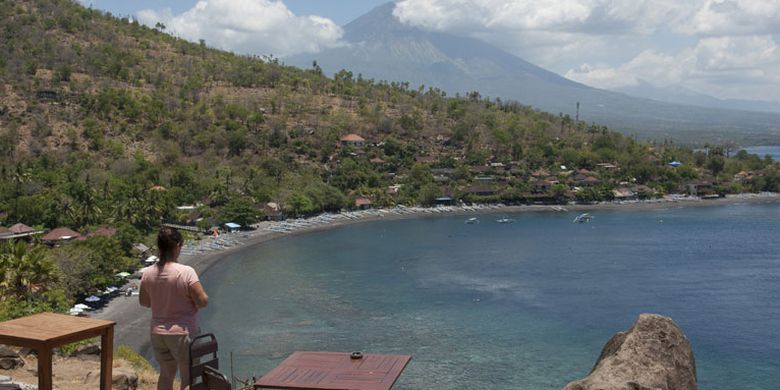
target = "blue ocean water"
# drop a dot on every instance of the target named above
(762, 151)
(527, 305)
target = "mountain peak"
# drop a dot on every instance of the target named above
(378, 21)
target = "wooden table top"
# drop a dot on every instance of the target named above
(50, 328)
(335, 371)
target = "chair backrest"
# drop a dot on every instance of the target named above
(203, 353)
(215, 380)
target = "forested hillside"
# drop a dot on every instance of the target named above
(105, 122)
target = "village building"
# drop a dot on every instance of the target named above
(353, 140)
(272, 211)
(363, 203)
(542, 186)
(702, 188)
(393, 189)
(624, 193)
(743, 176)
(60, 234)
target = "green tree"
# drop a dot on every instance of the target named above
(240, 211)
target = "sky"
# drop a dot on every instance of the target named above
(722, 48)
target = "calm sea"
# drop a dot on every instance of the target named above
(762, 151)
(527, 305)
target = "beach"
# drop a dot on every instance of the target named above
(133, 320)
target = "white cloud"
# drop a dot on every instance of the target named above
(726, 67)
(733, 17)
(593, 16)
(249, 26)
(722, 47)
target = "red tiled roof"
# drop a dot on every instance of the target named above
(21, 228)
(362, 202)
(59, 234)
(352, 138)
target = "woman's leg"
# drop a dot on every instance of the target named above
(167, 362)
(167, 375)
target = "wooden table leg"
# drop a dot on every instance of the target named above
(106, 358)
(44, 368)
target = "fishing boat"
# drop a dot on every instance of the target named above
(472, 221)
(582, 218)
(505, 220)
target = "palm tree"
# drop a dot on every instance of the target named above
(25, 271)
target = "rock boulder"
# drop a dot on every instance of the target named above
(9, 358)
(122, 378)
(653, 355)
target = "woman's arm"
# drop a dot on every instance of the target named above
(143, 297)
(198, 295)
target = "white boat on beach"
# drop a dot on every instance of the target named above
(505, 220)
(582, 218)
(472, 221)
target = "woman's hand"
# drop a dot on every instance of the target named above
(198, 295)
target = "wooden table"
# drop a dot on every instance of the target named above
(335, 371)
(45, 331)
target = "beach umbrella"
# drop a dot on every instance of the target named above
(81, 306)
(92, 298)
(123, 274)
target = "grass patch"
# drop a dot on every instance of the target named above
(131, 356)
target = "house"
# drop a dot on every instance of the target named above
(542, 186)
(591, 181)
(46, 94)
(363, 203)
(353, 140)
(643, 191)
(232, 227)
(18, 231)
(21, 228)
(272, 211)
(377, 161)
(393, 190)
(624, 193)
(702, 188)
(743, 176)
(60, 234)
(445, 200)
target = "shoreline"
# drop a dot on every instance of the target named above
(133, 320)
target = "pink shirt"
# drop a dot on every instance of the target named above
(173, 311)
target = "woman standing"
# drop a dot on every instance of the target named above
(175, 294)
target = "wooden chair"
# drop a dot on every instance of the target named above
(204, 364)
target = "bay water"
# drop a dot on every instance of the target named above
(762, 151)
(524, 305)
